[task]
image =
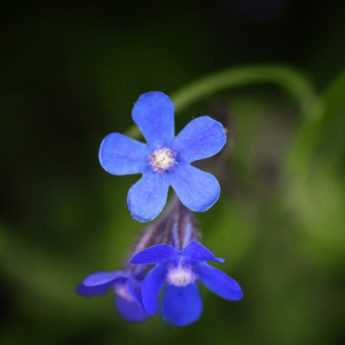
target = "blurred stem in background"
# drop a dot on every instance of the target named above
(285, 77)
(294, 83)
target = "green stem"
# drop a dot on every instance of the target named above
(289, 79)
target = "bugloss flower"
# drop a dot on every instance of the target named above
(165, 160)
(125, 286)
(177, 272)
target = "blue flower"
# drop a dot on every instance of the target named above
(125, 286)
(177, 273)
(165, 160)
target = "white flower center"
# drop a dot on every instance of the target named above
(162, 159)
(121, 290)
(180, 276)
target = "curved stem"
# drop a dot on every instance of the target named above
(287, 78)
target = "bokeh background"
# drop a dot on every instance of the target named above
(70, 75)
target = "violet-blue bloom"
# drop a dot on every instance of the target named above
(177, 273)
(165, 160)
(126, 288)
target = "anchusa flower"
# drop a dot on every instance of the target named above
(165, 160)
(177, 273)
(125, 285)
(168, 257)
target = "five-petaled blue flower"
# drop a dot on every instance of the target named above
(165, 160)
(126, 288)
(177, 272)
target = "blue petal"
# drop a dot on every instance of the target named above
(196, 251)
(151, 286)
(218, 282)
(153, 113)
(196, 189)
(203, 137)
(98, 283)
(154, 255)
(147, 198)
(131, 311)
(134, 289)
(100, 278)
(181, 305)
(88, 291)
(121, 155)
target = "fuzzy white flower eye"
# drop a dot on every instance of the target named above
(162, 159)
(180, 276)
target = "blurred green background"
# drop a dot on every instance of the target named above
(70, 75)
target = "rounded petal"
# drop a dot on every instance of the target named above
(101, 278)
(181, 305)
(89, 291)
(98, 283)
(121, 155)
(151, 286)
(147, 198)
(134, 289)
(154, 255)
(219, 283)
(196, 189)
(153, 113)
(131, 311)
(196, 251)
(203, 137)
